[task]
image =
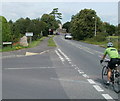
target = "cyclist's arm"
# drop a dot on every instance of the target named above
(105, 53)
(103, 56)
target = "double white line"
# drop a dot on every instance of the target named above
(60, 53)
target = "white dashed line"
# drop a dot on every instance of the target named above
(107, 96)
(98, 88)
(85, 75)
(91, 81)
(81, 72)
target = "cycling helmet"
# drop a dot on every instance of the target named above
(110, 44)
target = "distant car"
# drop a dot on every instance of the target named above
(68, 36)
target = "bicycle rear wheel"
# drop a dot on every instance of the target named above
(104, 74)
(116, 84)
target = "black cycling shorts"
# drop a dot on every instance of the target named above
(113, 62)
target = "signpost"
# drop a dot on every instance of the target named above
(29, 34)
(7, 43)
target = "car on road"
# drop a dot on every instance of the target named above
(68, 36)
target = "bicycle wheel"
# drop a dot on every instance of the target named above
(116, 84)
(104, 74)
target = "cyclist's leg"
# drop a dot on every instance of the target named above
(109, 74)
(110, 67)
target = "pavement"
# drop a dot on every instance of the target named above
(41, 48)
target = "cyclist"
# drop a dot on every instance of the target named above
(114, 55)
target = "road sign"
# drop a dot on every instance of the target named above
(29, 34)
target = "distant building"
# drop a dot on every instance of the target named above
(60, 26)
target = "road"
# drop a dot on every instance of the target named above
(71, 71)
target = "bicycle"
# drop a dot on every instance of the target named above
(115, 77)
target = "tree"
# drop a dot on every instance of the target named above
(6, 32)
(67, 26)
(50, 21)
(110, 29)
(83, 24)
(36, 26)
(56, 14)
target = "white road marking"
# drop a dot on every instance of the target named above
(74, 65)
(64, 55)
(70, 62)
(59, 56)
(98, 88)
(31, 53)
(77, 68)
(91, 81)
(81, 72)
(107, 96)
(85, 75)
(69, 80)
(28, 68)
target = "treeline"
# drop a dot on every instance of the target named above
(82, 26)
(13, 31)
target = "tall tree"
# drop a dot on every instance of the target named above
(6, 32)
(56, 14)
(83, 24)
(50, 21)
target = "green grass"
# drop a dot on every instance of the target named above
(51, 42)
(18, 47)
(35, 43)
(103, 43)
(112, 37)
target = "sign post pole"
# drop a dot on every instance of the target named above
(29, 34)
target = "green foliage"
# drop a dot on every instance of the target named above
(6, 32)
(13, 31)
(100, 37)
(56, 14)
(110, 29)
(50, 21)
(83, 25)
(67, 26)
(0, 31)
(51, 42)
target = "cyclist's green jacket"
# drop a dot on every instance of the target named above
(112, 52)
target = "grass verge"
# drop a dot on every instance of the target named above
(51, 42)
(102, 43)
(18, 47)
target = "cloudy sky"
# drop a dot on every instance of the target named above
(107, 11)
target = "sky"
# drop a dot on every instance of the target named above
(15, 9)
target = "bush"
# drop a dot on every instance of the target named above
(100, 37)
